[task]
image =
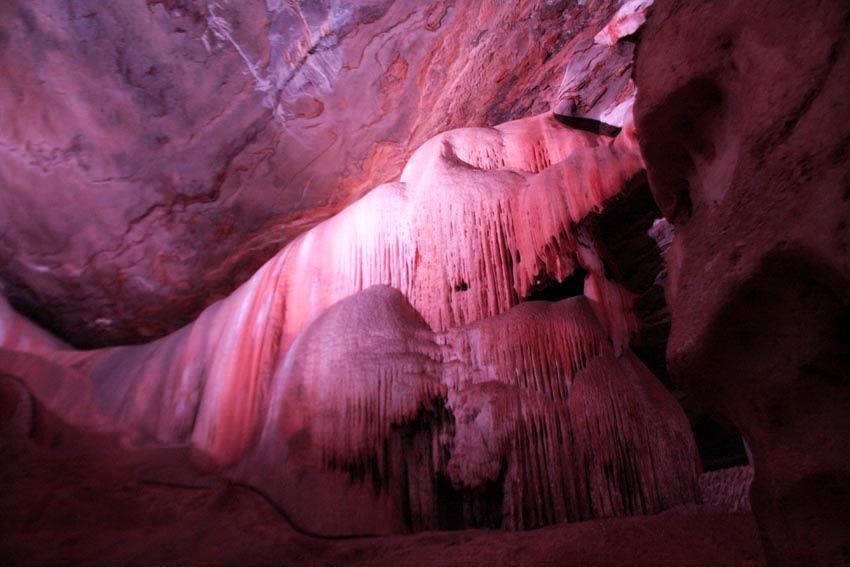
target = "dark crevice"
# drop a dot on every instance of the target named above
(627, 250)
(632, 258)
(719, 442)
(428, 497)
(588, 125)
(549, 289)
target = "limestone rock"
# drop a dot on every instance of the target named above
(372, 410)
(439, 401)
(745, 140)
(597, 90)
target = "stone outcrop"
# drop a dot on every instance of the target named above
(597, 90)
(745, 139)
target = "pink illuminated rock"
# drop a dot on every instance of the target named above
(154, 155)
(335, 221)
(628, 19)
(368, 398)
(597, 86)
(322, 389)
(371, 410)
(462, 243)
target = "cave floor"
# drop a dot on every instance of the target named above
(75, 500)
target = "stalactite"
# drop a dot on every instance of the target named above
(380, 375)
(446, 236)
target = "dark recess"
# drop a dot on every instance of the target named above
(550, 289)
(588, 125)
(719, 442)
(632, 258)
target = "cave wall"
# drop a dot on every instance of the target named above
(745, 140)
(294, 175)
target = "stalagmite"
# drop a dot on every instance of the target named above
(531, 405)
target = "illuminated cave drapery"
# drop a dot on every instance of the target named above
(438, 401)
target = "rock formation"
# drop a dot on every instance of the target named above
(746, 142)
(439, 401)
(182, 143)
(349, 270)
(518, 421)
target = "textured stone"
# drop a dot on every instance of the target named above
(331, 394)
(462, 242)
(628, 20)
(727, 489)
(744, 124)
(529, 416)
(154, 155)
(597, 91)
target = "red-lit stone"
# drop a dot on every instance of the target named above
(154, 155)
(744, 124)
